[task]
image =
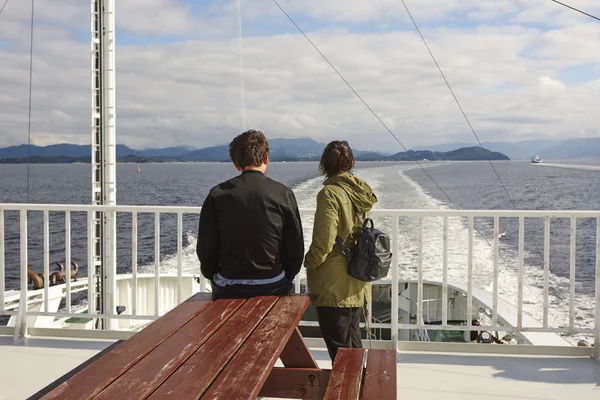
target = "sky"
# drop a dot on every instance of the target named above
(522, 69)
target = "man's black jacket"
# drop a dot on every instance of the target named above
(250, 228)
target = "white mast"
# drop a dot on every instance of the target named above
(103, 268)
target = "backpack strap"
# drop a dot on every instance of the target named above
(346, 251)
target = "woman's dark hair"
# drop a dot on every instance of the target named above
(337, 157)
(249, 149)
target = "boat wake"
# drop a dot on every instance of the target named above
(570, 166)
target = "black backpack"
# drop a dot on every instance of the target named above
(371, 257)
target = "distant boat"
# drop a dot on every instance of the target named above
(536, 160)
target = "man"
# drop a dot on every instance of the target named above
(250, 240)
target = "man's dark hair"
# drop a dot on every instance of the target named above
(337, 157)
(249, 149)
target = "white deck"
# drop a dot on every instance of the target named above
(31, 365)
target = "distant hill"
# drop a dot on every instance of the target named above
(569, 149)
(167, 152)
(463, 154)
(302, 149)
(46, 160)
(60, 150)
(216, 153)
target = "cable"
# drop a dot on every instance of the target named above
(358, 95)
(30, 94)
(576, 9)
(389, 130)
(362, 100)
(514, 205)
(241, 59)
(458, 103)
(4, 5)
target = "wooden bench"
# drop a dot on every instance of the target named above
(349, 380)
(217, 349)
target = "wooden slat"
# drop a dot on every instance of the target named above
(346, 375)
(296, 353)
(144, 377)
(103, 372)
(380, 375)
(296, 383)
(199, 371)
(248, 370)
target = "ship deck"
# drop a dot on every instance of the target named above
(34, 363)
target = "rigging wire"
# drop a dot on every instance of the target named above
(356, 94)
(458, 103)
(514, 205)
(576, 9)
(389, 130)
(241, 62)
(360, 98)
(30, 94)
(4, 5)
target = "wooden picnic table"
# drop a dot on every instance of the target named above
(213, 349)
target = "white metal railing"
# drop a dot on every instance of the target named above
(394, 215)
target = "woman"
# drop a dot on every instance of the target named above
(341, 204)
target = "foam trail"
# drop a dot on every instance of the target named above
(482, 265)
(570, 166)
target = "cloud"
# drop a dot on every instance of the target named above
(154, 17)
(552, 84)
(178, 74)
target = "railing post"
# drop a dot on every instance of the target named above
(520, 282)
(157, 264)
(496, 273)
(111, 270)
(597, 309)
(546, 269)
(46, 260)
(21, 322)
(202, 284)
(179, 257)
(90, 263)
(420, 322)
(470, 275)
(201, 279)
(572, 274)
(369, 314)
(68, 259)
(445, 275)
(1, 260)
(134, 260)
(394, 305)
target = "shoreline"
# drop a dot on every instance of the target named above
(438, 162)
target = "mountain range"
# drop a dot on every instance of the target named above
(570, 149)
(302, 149)
(81, 151)
(305, 149)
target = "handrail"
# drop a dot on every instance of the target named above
(307, 211)
(394, 214)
